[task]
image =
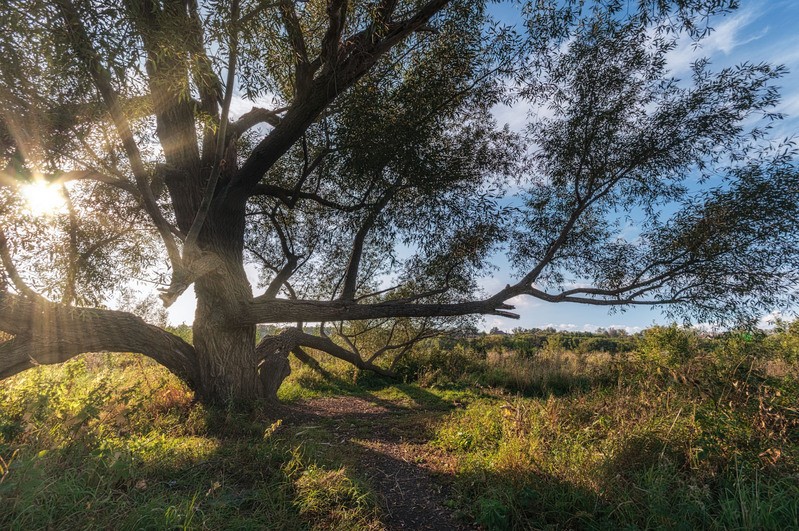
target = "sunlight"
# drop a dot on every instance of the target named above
(43, 199)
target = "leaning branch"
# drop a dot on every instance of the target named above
(294, 337)
(101, 78)
(47, 333)
(351, 275)
(11, 270)
(210, 186)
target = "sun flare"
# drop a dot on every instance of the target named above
(43, 199)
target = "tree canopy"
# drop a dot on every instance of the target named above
(349, 151)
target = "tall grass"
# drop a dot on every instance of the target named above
(677, 438)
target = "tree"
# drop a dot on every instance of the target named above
(377, 133)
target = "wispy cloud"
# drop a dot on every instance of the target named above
(731, 33)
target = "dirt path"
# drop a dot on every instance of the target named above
(387, 444)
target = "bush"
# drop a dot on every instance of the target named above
(669, 345)
(784, 342)
(430, 363)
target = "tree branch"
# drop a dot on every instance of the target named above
(208, 84)
(287, 197)
(303, 74)
(11, 270)
(351, 274)
(47, 333)
(7, 178)
(73, 263)
(253, 117)
(283, 311)
(360, 57)
(210, 186)
(337, 15)
(297, 338)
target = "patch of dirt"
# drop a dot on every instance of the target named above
(389, 446)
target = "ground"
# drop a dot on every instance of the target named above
(388, 443)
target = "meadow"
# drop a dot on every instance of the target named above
(668, 429)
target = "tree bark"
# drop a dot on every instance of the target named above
(47, 333)
(225, 345)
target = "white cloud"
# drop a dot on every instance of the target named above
(524, 301)
(562, 326)
(239, 105)
(571, 327)
(725, 38)
(627, 328)
(790, 104)
(770, 319)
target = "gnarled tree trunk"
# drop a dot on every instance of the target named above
(226, 360)
(225, 345)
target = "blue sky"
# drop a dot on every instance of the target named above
(760, 31)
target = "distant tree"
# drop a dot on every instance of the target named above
(366, 178)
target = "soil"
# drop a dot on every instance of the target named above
(388, 445)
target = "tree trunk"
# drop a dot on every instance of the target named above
(227, 362)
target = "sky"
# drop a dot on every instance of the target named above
(760, 31)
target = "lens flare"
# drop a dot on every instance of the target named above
(43, 199)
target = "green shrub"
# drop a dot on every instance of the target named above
(784, 341)
(670, 345)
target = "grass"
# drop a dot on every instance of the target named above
(99, 445)
(690, 435)
(658, 448)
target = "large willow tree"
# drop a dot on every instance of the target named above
(362, 171)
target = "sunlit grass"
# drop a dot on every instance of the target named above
(102, 443)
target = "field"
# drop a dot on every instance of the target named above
(550, 431)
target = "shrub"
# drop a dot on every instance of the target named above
(670, 345)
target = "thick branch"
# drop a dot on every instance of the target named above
(294, 337)
(282, 311)
(47, 333)
(302, 67)
(208, 83)
(361, 56)
(260, 310)
(351, 275)
(210, 186)
(337, 14)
